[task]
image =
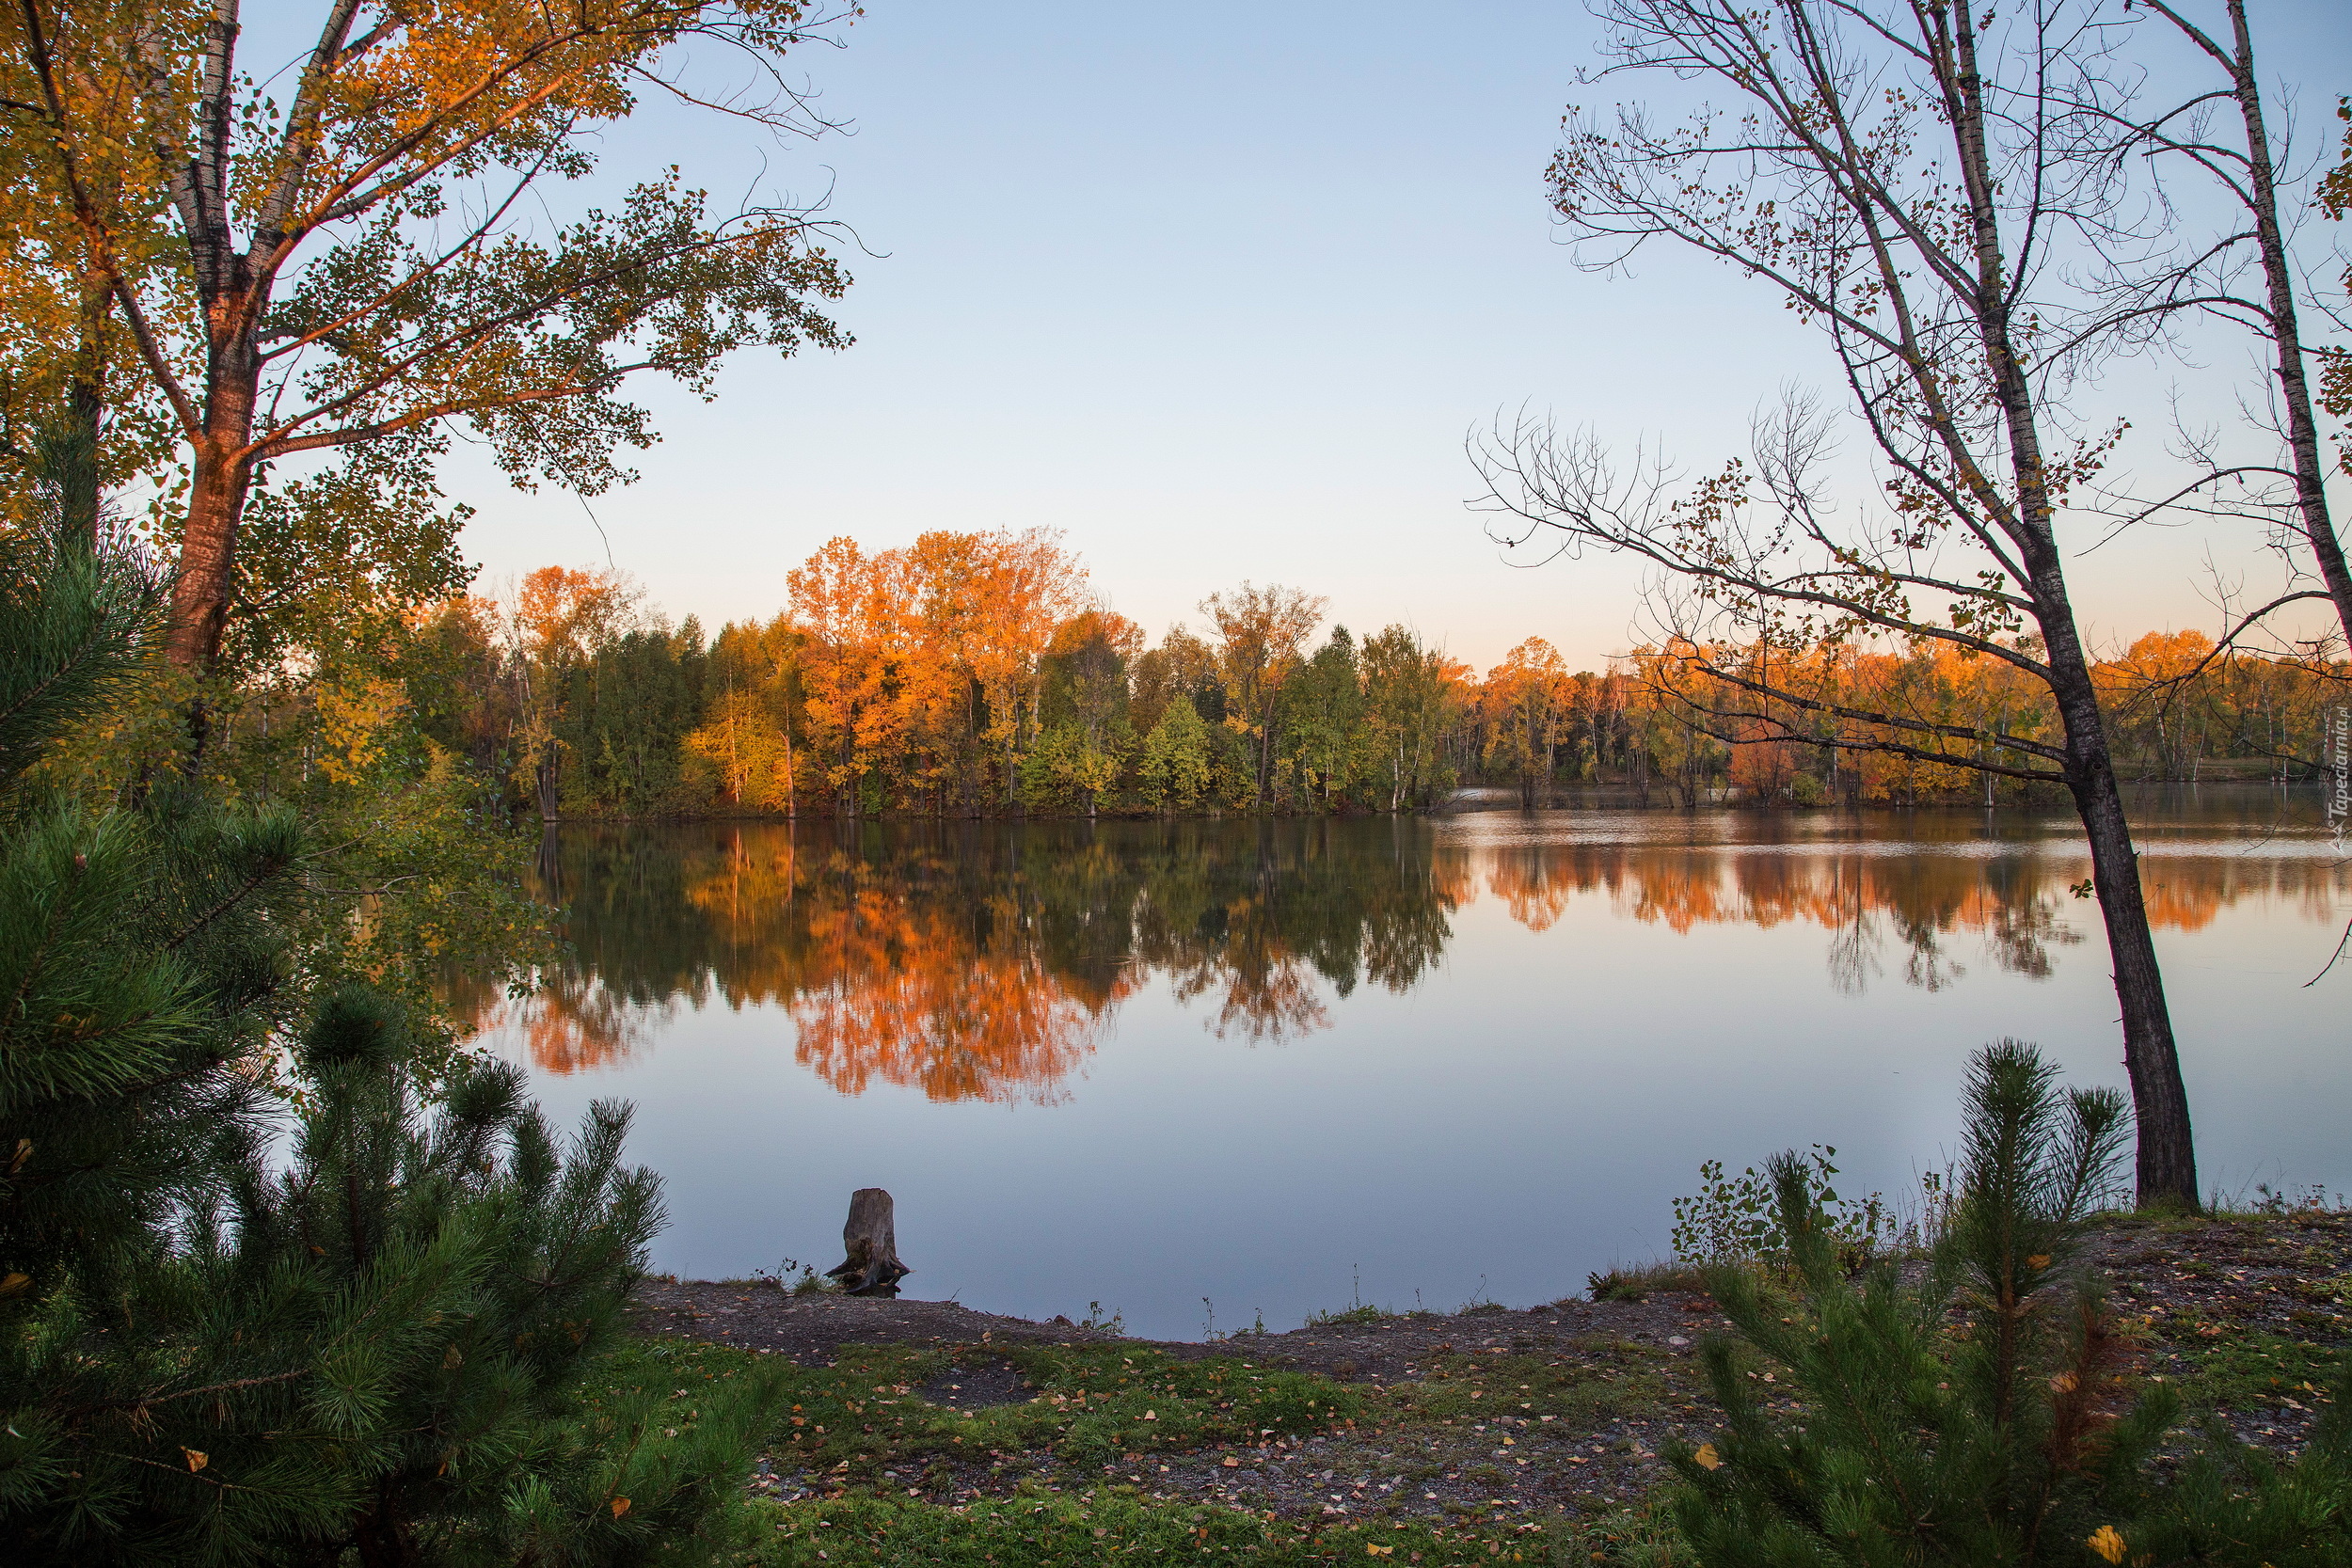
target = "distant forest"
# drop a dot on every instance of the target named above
(974, 673)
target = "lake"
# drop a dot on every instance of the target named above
(1208, 1073)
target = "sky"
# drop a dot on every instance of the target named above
(1218, 291)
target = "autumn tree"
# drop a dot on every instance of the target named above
(1915, 190)
(1525, 702)
(561, 617)
(1182, 666)
(1022, 586)
(351, 258)
(1259, 634)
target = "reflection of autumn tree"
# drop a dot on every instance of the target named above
(907, 995)
(571, 1023)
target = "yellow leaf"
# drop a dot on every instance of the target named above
(14, 1283)
(2062, 1384)
(2107, 1542)
(2038, 1260)
(198, 1459)
(1708, 1458)
(620, 1506)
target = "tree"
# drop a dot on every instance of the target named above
(1182, 666)
(1022, 586)
(562, 619)
(1411, 696)
(350, 265)
(1326, 725)
(1260, 633)
(1911, 193)
(1174, 771)
(1526, 700)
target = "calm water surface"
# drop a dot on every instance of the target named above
(1285, 1066)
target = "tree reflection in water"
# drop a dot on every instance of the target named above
(983, 961)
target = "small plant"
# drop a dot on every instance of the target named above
(2281, 1201)
(795, 1277)
(1096, 1322)
(1735, 1219)
(1362, 1313)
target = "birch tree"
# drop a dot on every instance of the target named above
(1913, 186)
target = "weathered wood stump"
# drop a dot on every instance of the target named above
(872, 1266)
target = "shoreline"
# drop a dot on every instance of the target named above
(1543, 1420)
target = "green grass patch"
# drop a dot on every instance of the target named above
(1094, 1404)
(1115, 1525)
(2249, 1369)
(1608, 1379)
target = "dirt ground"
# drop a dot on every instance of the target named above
(1559, 1409)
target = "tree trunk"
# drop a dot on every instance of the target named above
(85, 404)
(2166, 1162)
(870, 1240)
(202, 595)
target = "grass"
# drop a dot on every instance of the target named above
(1113, 1523)
(1363, 1312)
(1094, 1404)
(2250, 1369)
(1637, 1283)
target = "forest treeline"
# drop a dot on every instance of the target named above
(975, 673)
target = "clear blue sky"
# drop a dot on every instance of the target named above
(1217, 290)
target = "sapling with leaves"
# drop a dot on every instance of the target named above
(1978, 1409)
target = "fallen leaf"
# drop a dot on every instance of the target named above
(1708, 1458)
(198, 1459)
(2107, 1542)
(620, 1506)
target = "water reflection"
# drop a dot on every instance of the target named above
(987, 962)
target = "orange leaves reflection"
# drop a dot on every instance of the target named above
(911, 996)
(987, 961)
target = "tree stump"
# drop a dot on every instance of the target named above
(872, 1266)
